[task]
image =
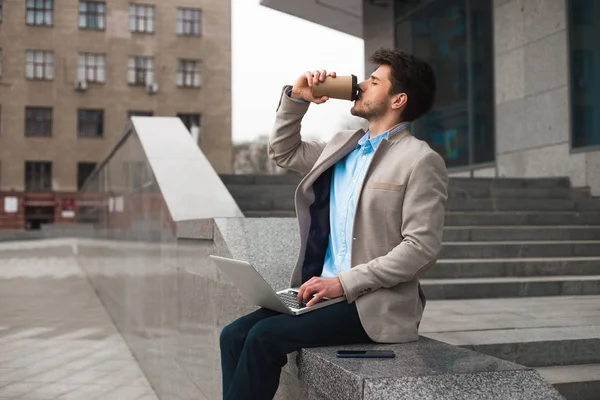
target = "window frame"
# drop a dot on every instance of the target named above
(80, 164)
(47, 65)
(95, 14)
(35, 11)
(93, 124)
(136, 20)
(45, 122)
(194, 72)
(98, 68)
(44, 183)
(145, 68)
(186, 22)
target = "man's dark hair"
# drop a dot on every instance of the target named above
(410, 75)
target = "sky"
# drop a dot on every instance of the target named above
(271, 49)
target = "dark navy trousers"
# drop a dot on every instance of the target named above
(254, 348)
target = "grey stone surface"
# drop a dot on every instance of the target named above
(195, 229)
(545, 63)
(488, 268)
(468, 218)
(509, 30)
(542, 18)
(521, 249)
(477, 288)
(271, 245)
(462, 234)
(514, 385)
(555, 160)
(592, 161)
(545, 122)
(510, 75)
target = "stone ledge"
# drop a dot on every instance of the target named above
(426, 369)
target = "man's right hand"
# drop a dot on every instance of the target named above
(302, 89)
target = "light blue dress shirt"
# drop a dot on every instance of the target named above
(348, 175)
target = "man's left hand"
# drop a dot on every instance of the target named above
(320, 287)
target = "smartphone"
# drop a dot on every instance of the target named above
(365, 354)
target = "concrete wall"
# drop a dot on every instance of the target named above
(532, 94)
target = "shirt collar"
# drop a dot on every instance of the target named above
(375, 141)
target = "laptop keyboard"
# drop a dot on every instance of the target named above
(290, 299)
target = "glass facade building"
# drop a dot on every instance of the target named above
(584, 54)
(456, 38)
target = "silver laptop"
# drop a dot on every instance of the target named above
(256, 290)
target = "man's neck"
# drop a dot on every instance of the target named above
(379, 127)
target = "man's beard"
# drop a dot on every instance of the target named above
(367, 110)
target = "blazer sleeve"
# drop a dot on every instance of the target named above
(423, 214)
(286, 147)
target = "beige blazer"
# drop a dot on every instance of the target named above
(398, 223)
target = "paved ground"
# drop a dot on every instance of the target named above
(56, 340)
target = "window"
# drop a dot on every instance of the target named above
(140, 70)
(133, 113)
(90, 123)
(188, 73)
(584, 54)
(456, 38)
(188, 21)
(190, 120)
(39, 64)
(38, 121)
(84, 170)
(39, 12)
(91, 67)
(92, 14)
(141, 18)
(38, 176)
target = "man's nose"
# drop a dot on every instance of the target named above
(362, 86)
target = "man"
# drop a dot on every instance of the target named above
(371, 213)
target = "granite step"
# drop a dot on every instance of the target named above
(503, 218)
(533, 347)
(575, 382)
(520, 249)
(510, 204)
(502, 287)
(510, 183)
(269, 214)
(525, 193)
(498, 233)
(514, 267)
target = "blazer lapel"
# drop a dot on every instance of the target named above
(332, 154)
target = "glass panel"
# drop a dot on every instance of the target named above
(50, 72)
(179, 27)
(30, 3)
(39, 71)
(39, 18)
(150, 25)
(82, 6)
(39, 4)
(48, 18)
(439, 36)
(585, 79)
(29, 56)
(101, 74)
(132, 23)
(101, 8)
(101, 22)
(29, 70)
(49, 4)
(49, 56)
(82, 20)
(482, 47)
(30, 17)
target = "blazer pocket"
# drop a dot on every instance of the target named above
(383, 186)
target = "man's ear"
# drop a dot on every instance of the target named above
(399, 100)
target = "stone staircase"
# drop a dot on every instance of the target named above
(518, 276)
